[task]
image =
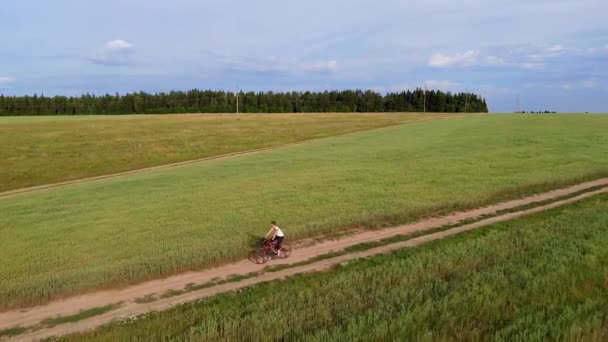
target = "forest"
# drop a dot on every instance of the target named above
(210, 101)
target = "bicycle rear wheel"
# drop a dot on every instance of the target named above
(259, 256)
(285, 251)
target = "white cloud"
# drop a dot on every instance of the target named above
(556, 48)
(118, 44)
(394, 88)
(273, 64)
(323, 66)
(590, 84)
(536, 57)
(467, 58)
(533, 65)
(443, 85)
(114, 52)
(493, 90)
(584, 84)
(495, 61)
(6, 80)
(591, 51)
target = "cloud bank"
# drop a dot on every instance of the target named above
(113, 53)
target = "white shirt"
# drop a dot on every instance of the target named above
(277, 231)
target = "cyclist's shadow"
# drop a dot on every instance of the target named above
(253, 243)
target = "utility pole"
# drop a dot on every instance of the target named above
(466, 98)
(518, 103)
(237, 99)
(424, 101)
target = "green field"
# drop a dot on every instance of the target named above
(123, 230)
(42, 150)
(542, 277)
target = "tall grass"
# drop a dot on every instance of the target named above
(542, 277)
(42, 150)
(124, 230)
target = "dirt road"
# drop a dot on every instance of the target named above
(33, 316)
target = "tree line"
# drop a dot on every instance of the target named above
(208, 101)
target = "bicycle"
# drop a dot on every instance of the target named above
(266, 252)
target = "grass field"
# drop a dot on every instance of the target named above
(542, 277)
(123, 230)
(42, 150)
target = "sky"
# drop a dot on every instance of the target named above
(527, 54)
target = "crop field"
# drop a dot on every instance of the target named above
(123, 230)
(541, 277)
(42, 150)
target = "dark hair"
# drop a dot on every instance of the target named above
(273, 222)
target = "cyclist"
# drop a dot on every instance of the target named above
(275, 234)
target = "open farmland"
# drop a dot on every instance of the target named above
(509, 281)
(124, 230)
(42, 150)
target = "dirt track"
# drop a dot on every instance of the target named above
(70, 306)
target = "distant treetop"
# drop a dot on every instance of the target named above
(208, 101)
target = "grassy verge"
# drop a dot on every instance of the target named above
(54, 321)
(541, 277)
(77, 147)
(117, 232)
(361, 247)
(84, 314)
(146, 299)
(10, 332)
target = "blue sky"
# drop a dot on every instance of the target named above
(552, 54)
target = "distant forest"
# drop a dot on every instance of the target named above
(208, 101)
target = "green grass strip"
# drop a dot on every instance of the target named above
(146, 299)
(51, 322)
(14, 331)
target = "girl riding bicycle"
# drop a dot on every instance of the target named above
(276, 236)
